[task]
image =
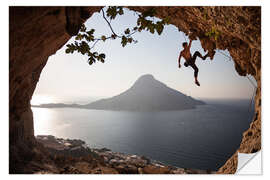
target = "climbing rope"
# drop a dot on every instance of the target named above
(251, 82)
(251, 100)
(230, 58)
(253, 95)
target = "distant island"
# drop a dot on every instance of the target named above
(146, 94)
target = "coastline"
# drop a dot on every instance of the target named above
(79, 158)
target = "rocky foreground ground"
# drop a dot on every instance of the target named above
(75, 157)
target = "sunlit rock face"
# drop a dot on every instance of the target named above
(38, 32)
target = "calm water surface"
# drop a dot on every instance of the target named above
(202, 138)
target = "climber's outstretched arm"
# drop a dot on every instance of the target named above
(180, 55)
(189, 44)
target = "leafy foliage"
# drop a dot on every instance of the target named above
(113, 11)
(86, 37)
(213, 33)
(145, 24)
(81, 45)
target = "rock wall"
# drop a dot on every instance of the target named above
(35, 33)
(38, 32)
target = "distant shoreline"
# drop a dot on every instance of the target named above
(146, 95)
(78, 106)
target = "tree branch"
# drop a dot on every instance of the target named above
(99, 39)
(132, 33)
(110, 37)
(103, 14)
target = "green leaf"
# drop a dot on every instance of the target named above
(113, 36)
(152, 29)
(102, 55)
(121, 12)
(127, 31)
(166, 20)
(129, 40)
(78, 37)
(124, 41)
(160, 29)
(95, 54)
(91, 60)
(83, 28)
(91, 38)
(103, 38)
(111, 12)
(90, 32)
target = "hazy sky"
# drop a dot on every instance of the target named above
(67, 75)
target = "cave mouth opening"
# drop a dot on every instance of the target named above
(155, 66)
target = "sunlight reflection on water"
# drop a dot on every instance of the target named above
(49, 122)
(210, 132)
(45, 120)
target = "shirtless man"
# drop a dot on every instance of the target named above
(190, 60)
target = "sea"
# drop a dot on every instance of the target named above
(200, 138)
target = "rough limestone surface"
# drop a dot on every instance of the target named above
(38, 32)
(35, 33)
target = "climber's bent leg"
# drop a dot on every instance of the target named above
(196, 71)
(195, 55)
(198, 54)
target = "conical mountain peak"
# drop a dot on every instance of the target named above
(146, 77)
(147, 94)
(146, 81)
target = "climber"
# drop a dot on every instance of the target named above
(190, 60)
